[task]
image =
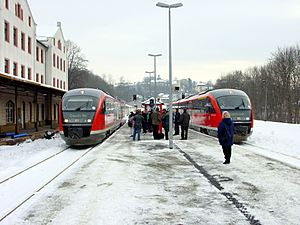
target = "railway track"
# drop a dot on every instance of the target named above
(34, 182)
(34, 165)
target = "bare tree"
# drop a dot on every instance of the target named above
(76, 63)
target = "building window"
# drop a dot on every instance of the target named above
(61, 84)
(64, 85)
(10, 112)
(53, 81)
(22, 71)
(61, 64)
(37, 76)
(22, 14)
(15, 69)
(37, 54)
(64, 66)
(29, 74)
(42, 79)
(7, 4)
(54, 59)
(15, 37)
(57, 83)
(54, 41)
(64, 49)
(29, 45)
(57, 62)
(6, 31)
(6, 66)
(42, 56)
(29, 21)
(23, 41)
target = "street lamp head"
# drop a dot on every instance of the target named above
(164, 5)
(154, 55)
(177, 5)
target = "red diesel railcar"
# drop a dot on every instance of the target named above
(89, 115)
(206, 111)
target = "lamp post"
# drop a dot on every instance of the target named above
(163, 5)
(155, 93)
(150, 81)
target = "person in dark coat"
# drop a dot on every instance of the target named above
(137, 126)
(145, 124)
(185, 122)
(177, 122)
(225, 135)
(165, 123)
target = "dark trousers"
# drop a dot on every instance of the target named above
(184, 132)
(176, 129)
(227, 152)
(155, 131)
(167, 134)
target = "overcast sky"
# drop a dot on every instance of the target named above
(209, 37)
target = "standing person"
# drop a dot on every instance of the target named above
(145, 124)
(149, 120)
(156, 120)
(225, 135)
(138, 123)
(185, 122)
(130, 123)
(165, 123)
(177, 122)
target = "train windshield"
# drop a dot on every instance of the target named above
(80, 103)
(234, 102)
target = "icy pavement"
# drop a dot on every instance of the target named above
(126, 182)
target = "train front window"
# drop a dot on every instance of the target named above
(79, 109)
(80, 103)
(234, 102)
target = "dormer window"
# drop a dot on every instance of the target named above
(59, 45)
(29, 21)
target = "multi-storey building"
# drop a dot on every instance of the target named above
(33, 71)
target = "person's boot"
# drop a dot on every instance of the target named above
(226, 162)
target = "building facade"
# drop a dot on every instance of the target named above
(33, 71)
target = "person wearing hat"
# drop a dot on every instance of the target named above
(225, 135)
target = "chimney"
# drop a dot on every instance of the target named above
(59, 24)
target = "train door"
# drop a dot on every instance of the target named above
(211, 115)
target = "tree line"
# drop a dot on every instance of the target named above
(79, 75)
(274, 88)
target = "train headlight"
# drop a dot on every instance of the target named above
(89, 120)
(66, 121)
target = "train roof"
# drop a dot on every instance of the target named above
(86, 91)
(223, 92)
(216, 93)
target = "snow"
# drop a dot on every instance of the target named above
(125, 182)
(280, 141)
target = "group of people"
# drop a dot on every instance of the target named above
(150, 121)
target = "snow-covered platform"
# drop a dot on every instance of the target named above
(145, 182)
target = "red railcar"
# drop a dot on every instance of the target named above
(89, 115)
(206, 111)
